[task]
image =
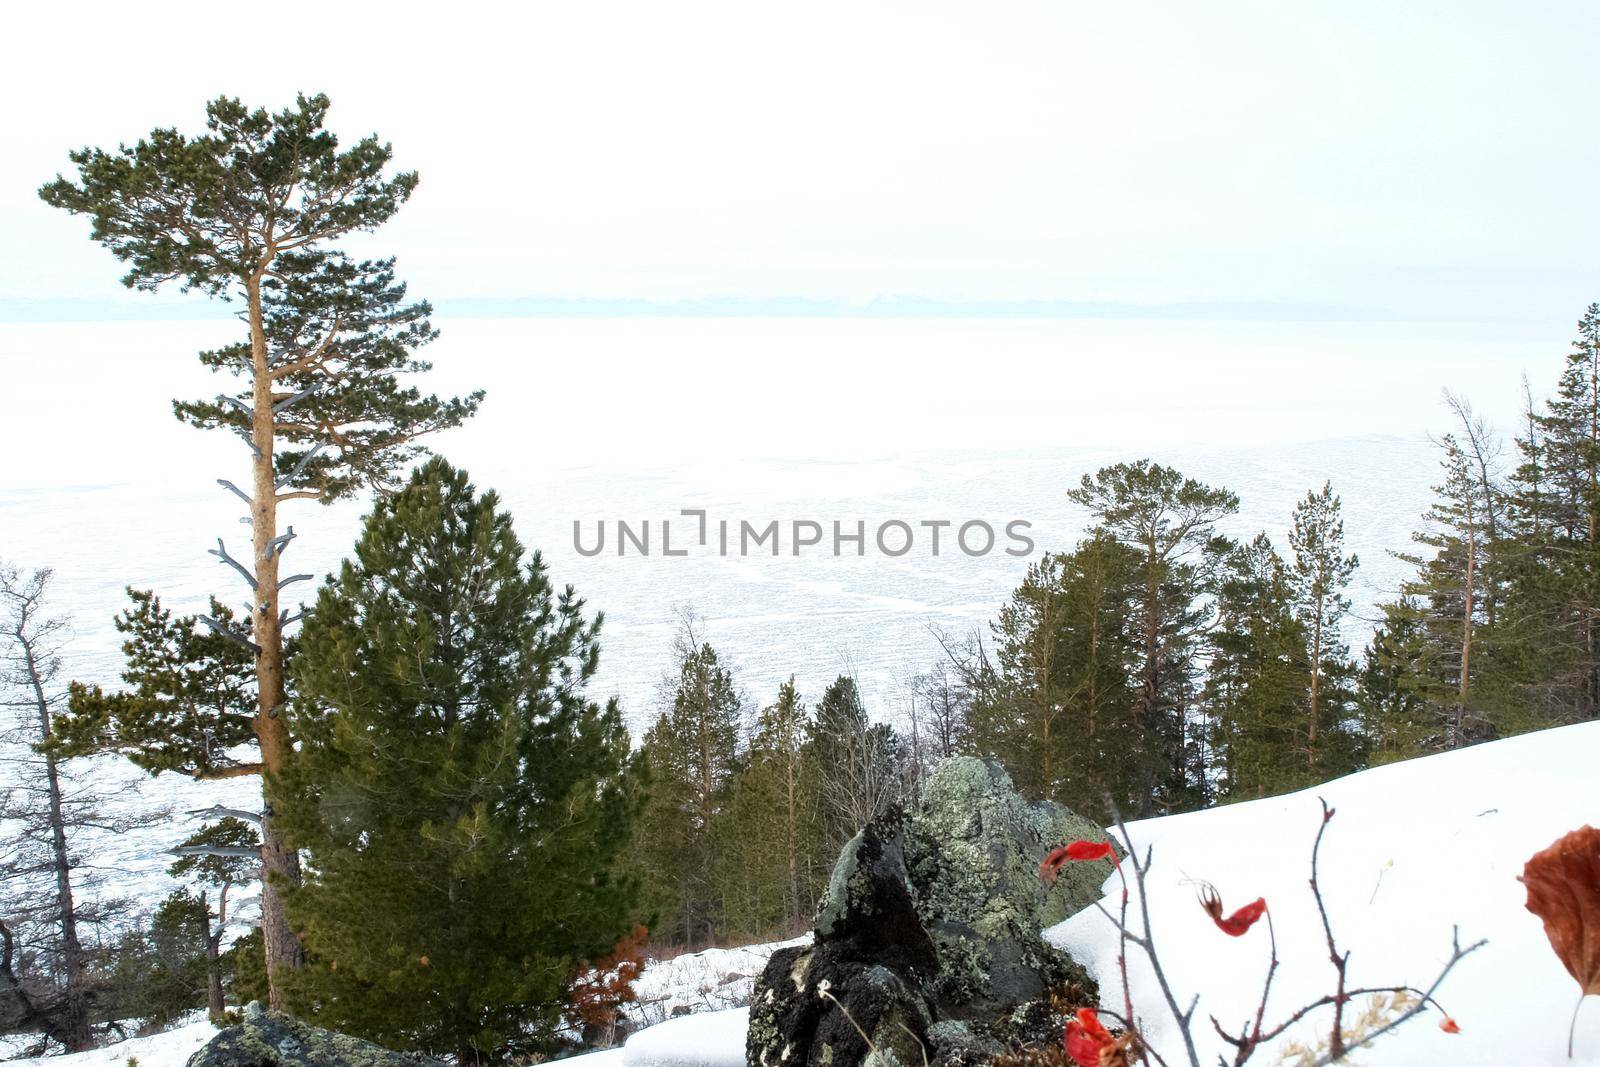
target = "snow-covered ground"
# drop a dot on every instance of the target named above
(170, 1048)
(1413, 849)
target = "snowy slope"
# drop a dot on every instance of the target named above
(170, 1048)
(1413, 849)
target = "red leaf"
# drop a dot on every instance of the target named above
(1239, 922)
(1449, 1026)
(1564, 890)
(1077, 851)
(1085, 1037)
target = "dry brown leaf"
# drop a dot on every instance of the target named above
(1564, 890)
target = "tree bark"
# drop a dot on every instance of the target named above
(1316, 681)
(215, 1005)
(280, 865)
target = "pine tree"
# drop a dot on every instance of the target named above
(1447, 588)
(1170, 521)
(1400, 689)
(248, 210)
(218, 857)
(1550, 651)
(771, 831)
(1059, 709)
(1320, 574)
(1256, 685)
(693, 755)
(463, 803)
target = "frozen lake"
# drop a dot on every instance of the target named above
(761, 420)
(750, 420)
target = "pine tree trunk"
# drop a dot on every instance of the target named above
(1316, 681)
(1151, 687)
(75, 1032)
(280, 865)
(215, 1006)
(1463, 689)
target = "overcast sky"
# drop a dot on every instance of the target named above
(1427, 161)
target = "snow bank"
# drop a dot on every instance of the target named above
(1414, 848)
(713, 980)
(714, 1039)
(170, 1048)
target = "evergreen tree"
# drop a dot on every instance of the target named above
(1059, 708)
(1550, 648)
(219, 857)
(771, 830)
(1170, 522)
(1400, 691)
(1447, 589)
(463, 803)
(1320, 574)
(248, 210)
(1256, 686)
(692, 752)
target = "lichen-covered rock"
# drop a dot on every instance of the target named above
(975, 848)
(268, 1039)
(928, 947)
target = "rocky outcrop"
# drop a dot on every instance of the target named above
(268, 1039)
(928, 945)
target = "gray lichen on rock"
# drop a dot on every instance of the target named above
(269, 1039)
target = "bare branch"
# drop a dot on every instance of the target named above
(217, 811)
(221, 552)
(224, 630)
(236, 491)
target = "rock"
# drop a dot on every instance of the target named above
(269, 1039)
(976, 847)
(928, 946)
(858, 986)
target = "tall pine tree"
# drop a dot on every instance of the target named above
(1320, 573)
(248, 210)
(1170, 522)
(693, 755)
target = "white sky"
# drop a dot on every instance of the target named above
(1428, 160)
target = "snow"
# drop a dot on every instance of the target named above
(711, 980)
(1413, 849)
(712, 1039)
(170, 1048)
